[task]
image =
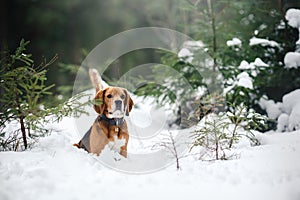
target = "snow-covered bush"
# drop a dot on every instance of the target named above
(292, 59)
(250, 65)
(258, 71)
(286, 113)
(217, 134)
(213, 138)
(178, 85)
(268, 68)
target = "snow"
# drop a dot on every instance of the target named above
(245, 65)
(273, 109)
(253, 65)
(244, 80)
(293, 17)
(291, 106)
(189, 47)
(262, 42)
(286, 112)
(258, 62)
(234, 42)
(292, 60)
(294, 118)
(184, 53)
(283, 122)
(193, 44)
(281, 25)
(290, 100)
(53, 169)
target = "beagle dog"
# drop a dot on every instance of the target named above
(111, 104)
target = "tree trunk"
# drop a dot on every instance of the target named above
(233, 136)
(23, 130)
(217, 145)
(214, 32)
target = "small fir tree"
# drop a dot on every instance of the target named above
(23, 94)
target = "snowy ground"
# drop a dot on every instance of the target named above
(54, 169)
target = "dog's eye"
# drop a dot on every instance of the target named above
(123, 96)
(109, 96)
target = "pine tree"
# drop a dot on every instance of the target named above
(23, 91)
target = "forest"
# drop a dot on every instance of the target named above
(71, 29)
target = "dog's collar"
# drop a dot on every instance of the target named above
(113, 121)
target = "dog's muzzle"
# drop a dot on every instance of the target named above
(118, 110)
(118, 104)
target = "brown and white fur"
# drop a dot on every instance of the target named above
(111, 104)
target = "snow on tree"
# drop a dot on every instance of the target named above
(293, 18)
(292, 59)
(287, 112)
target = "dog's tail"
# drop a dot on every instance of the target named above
(95, 79)
(76, 145)
(80, 146)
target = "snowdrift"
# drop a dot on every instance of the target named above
(54, 169)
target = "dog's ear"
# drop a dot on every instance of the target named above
(99, 104)
(128, 103)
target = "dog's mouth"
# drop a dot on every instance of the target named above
(116, 114)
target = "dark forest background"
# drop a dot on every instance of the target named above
(72, 28)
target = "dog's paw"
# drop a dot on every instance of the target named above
(117, 144)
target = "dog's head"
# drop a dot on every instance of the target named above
(114, 102)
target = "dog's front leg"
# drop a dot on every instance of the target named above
(123, 149)
(119, 140)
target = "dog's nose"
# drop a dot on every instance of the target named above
(118, 104)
